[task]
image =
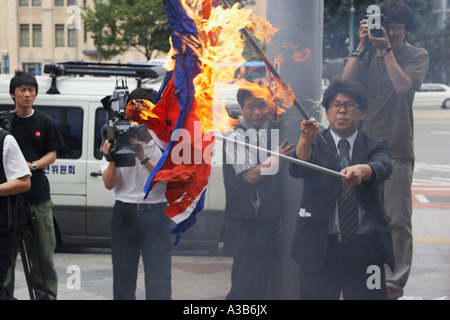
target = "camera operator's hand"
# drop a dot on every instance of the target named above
(106, 148)
(363, 35)
(138, 147)
(109, 176)
(381, 42)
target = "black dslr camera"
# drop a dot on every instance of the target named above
(376, 21)
(118, 129)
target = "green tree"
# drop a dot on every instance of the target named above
(117, 25)
(438, 47)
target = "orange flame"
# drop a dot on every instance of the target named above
(219, 48)
(301, 56)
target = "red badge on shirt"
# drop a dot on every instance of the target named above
(37, 133)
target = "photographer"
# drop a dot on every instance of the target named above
(14, 179)
(138, 225)
(392, 71)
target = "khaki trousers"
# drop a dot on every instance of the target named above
(396, 194)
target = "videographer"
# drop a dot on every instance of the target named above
(392, 70)
(138, 225)
(14, 179)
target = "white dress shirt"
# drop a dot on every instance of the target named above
(365, 224)
(131, 180)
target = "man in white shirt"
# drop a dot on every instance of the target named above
(138, 224)
(14, 179)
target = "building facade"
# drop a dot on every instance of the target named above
(38, 32)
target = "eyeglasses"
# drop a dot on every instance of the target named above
(396, 28)
(349, 106)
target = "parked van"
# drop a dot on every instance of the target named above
(82, 205)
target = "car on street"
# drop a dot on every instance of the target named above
(432, 96)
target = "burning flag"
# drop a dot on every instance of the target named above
(181, 118)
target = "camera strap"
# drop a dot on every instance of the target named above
(370, 51)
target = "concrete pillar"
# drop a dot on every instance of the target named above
(299, 41)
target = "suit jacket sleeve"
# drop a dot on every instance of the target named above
(321, 190)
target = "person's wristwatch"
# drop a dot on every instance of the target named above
(145, 160)
(33, 166)
(386, 51)
(357, 54)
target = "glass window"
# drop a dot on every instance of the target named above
(36, 2)
(37, 35)
(72, 37)
(59, 35)
(23, 2)
(100, 120)
(437, 89)
(59, 3)
(69, 121)
(71, 2)
(24, 35)
(32, 67)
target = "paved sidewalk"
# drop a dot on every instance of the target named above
(208, 278)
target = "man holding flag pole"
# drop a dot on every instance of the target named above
(341, 240)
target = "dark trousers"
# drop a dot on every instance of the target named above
(134, 231)
(354, 267)
(7, 240)
(252, 244)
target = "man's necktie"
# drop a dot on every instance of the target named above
(347, 202)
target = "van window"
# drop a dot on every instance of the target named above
(69, 121)
(100, 120)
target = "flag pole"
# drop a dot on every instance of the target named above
(282, 156)
(272, 69)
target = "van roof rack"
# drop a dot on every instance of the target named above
(139, 71)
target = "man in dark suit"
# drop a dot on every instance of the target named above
(342, 239)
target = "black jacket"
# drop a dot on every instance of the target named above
(321, 191)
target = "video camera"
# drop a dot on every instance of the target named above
(6, 118)
(375, 22)
(118, 129)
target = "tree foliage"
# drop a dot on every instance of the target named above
(117, 25)
(437, 44)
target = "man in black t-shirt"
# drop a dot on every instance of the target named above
(38, 138)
